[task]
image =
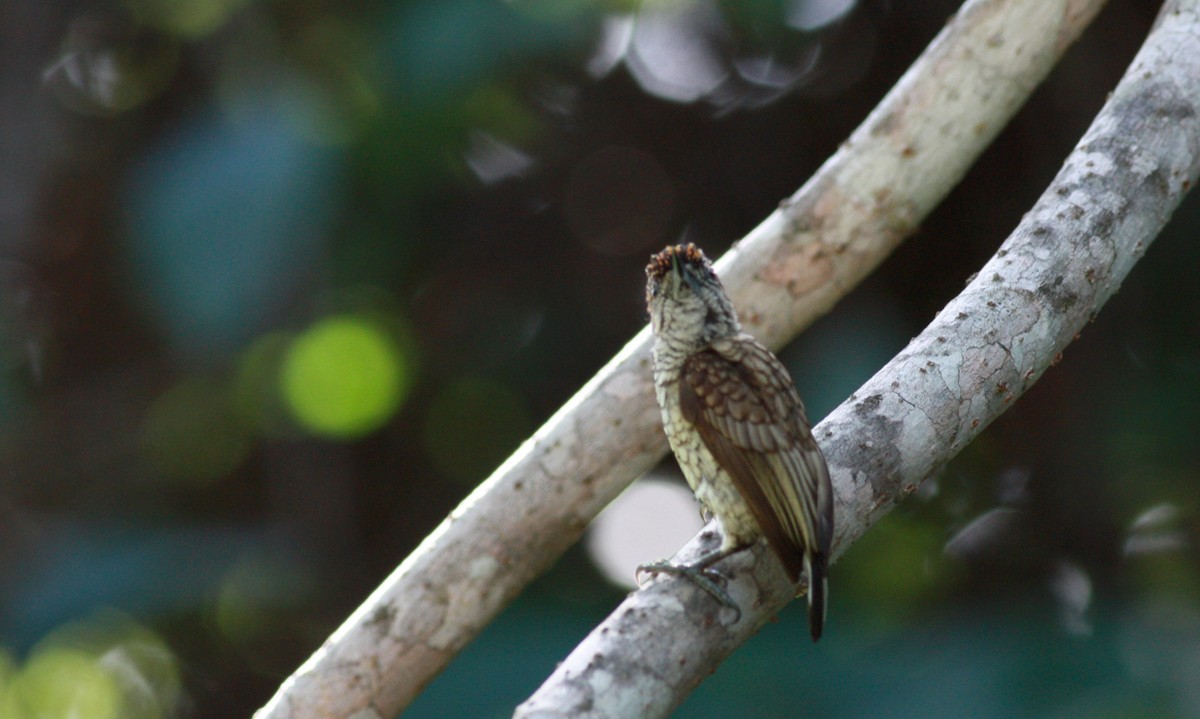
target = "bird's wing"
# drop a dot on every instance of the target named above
(743, 403)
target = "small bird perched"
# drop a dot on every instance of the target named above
(738, 429)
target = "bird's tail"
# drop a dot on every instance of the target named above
(818, 592)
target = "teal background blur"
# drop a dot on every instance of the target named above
(280, 282)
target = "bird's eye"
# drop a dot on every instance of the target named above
(654, 290)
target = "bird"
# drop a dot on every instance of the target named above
(738, 429)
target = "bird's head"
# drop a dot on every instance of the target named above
(686, 301)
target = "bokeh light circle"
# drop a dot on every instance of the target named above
(344, 377)
(192, 432)
(649, 521)
(62, 682)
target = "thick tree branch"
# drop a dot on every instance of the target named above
(791, 269)
(1066, 258)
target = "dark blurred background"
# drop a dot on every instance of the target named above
(280, 282)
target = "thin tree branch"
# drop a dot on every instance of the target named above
(1050, 277)
(892, 171)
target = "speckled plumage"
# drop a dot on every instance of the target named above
(736, 424)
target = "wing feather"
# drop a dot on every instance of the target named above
(745, 407)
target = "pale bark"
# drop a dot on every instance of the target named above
(1066, 258)
(792, 268)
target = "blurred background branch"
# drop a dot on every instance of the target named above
(1068, 256)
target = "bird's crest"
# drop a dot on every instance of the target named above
(689, 255)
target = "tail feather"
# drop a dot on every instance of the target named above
(818, 592)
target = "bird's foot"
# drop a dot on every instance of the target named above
(699, 573)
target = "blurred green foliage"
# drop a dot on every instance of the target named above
(281, 281)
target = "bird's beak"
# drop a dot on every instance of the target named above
(682, 273)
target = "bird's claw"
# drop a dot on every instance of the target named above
(702, 575)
